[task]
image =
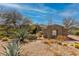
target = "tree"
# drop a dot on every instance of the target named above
(10, 16)
(69, 23)
(24, 22)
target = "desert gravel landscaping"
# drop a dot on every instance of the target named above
(39, 48)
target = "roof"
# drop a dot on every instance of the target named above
(55, 26)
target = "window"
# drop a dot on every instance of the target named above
(54, 32)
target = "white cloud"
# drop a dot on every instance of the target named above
(10, 5)
(43, 9)
(22, 7)
(68, 13)
(34, 9)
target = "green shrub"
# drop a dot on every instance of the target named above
(40, 33)
(59, 42)
(65, 44)
(77, 33)
(32, 37)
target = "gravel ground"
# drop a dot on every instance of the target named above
(39, 48)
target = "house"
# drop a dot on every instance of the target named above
(52, 31)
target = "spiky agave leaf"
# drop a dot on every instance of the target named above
(13, 49)
(21, 34)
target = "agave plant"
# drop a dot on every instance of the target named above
(21, 34)
(12, 49)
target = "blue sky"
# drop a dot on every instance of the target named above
(40, 13)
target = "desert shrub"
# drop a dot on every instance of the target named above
(10, 35)
(65, 44)
(48, 42)
(31, 37)
(61, 38)
(59, 42)
(12, 49)
(23, 35)
(40, 34)
(76, 45)
(5, 39)
(2, 33)
(45, 35)
(32, 29)
(1, 37)
(77, 33)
